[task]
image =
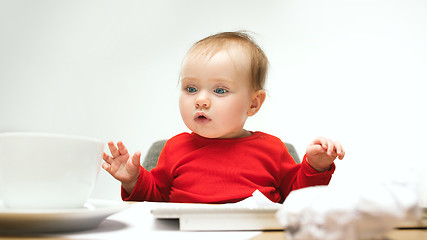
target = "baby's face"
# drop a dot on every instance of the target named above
(216, 93)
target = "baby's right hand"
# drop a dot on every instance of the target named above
(121, 166)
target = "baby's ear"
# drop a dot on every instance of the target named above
(257, 100)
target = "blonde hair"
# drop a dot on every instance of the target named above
(220, 41)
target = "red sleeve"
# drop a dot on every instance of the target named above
(144, 190)
(308, 176)
(152, 186)
(302, 175)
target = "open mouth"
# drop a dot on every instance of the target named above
(201, 118)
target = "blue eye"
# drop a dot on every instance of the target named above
(191, 89)
(220, 91)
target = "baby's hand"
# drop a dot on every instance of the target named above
(322, 152)
(121, 166)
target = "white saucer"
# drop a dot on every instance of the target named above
(57, 220)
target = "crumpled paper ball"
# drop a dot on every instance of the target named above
(350, 210)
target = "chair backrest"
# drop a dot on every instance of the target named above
(150, 160)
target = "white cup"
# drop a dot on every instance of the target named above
(47, 171)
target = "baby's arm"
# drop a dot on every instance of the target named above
(322, 152)
(121, 166)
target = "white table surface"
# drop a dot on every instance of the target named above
(137, 222)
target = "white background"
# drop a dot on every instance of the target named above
(353, 71)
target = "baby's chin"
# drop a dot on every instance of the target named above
(207, 135)
(212, 135)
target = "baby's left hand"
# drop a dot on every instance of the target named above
(322, 152)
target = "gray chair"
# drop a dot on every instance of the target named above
(150, 160)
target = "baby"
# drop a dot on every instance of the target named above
(222, 80)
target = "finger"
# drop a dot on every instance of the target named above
(339, 150)
(114, 151)
(341, 156)
(122, 149)
(331, 147)
(107, 158)
(136, 158)
(106, 166)
(321, 141)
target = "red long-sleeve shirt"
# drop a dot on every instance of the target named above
(195, 169)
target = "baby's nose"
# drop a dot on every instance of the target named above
(203, 100)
